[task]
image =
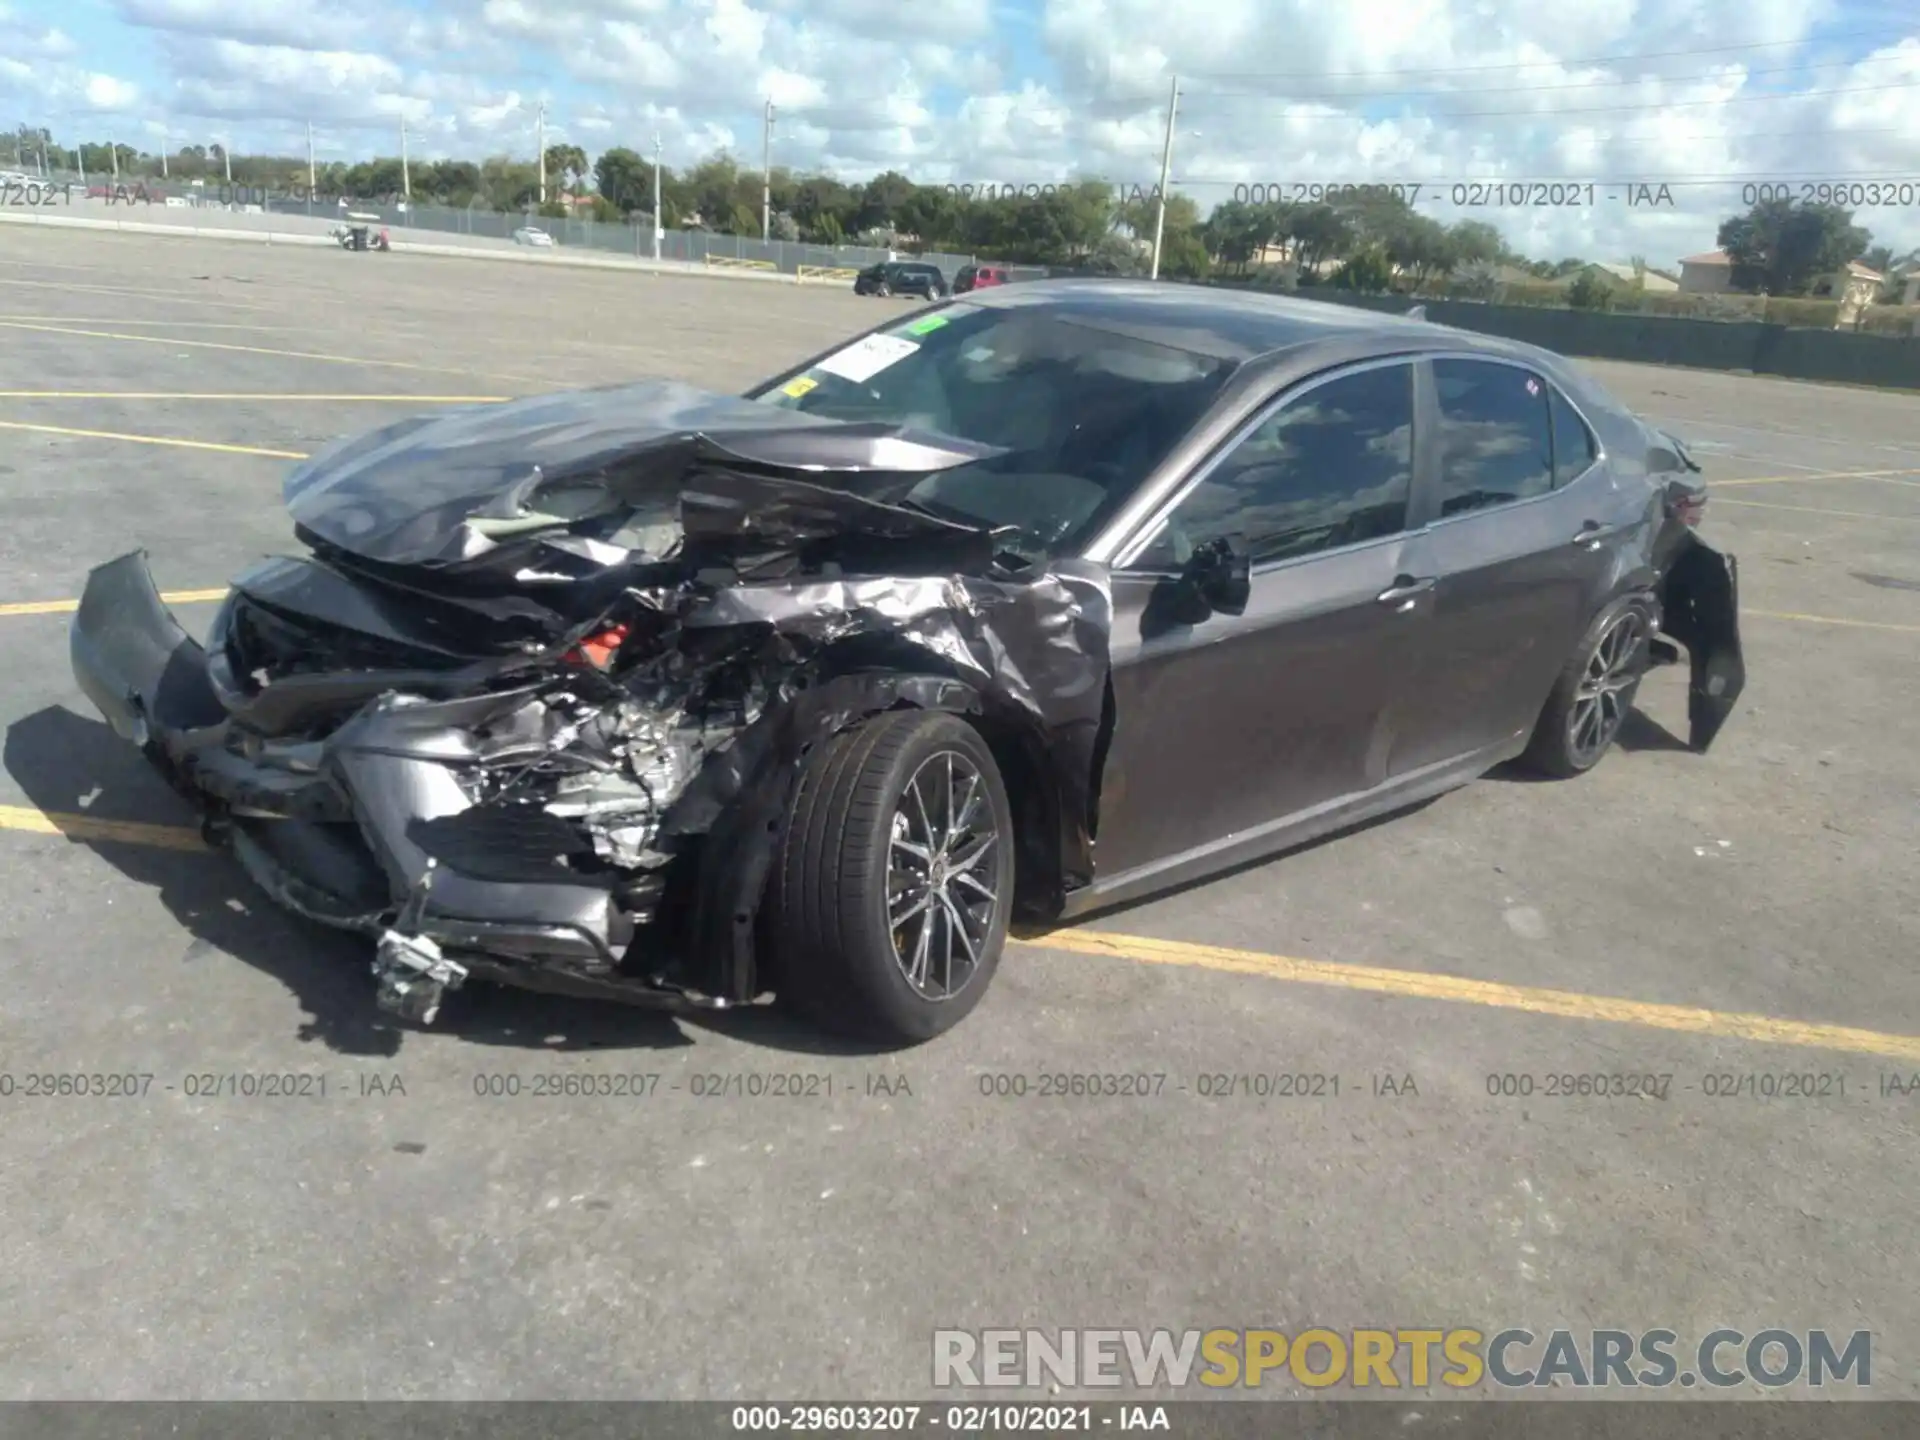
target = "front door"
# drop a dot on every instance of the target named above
(1232, 724)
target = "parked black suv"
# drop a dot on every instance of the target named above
(901, 277)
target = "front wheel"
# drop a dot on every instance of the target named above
(1594, 694)
(894, 884)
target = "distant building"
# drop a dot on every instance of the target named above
(1650, 281)
(1710, 273)
(1854, 287)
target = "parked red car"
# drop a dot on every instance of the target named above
(978, 277)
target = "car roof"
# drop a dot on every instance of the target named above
(1239, 325)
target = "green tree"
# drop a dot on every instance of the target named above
(1236, 231)
(624, 179)
(1781, 247)
(1422, 249)
(1319, 233)
(881, 200)
(1368, 270)
(1590, 290)
(1475, 242)
(567, 165)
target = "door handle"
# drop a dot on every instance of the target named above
(1592, 536)
(1404, 591)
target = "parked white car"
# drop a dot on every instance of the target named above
(531, 235)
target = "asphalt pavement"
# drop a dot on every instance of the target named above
(416, 1231)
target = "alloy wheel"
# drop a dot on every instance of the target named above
(1605, 691)
(942, 881)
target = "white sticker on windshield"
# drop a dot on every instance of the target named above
(866, 358)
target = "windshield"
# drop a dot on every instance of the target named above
(1084, 414)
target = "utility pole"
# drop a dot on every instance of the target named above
(766, 178)
(540, 139)
(163, 152)
(406, 175)
(312, 180)
(656, 195)
(1166, 174)
(113, 154)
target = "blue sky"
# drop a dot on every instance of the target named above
(1028, 91)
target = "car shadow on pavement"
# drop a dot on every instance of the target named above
(67, 764)
(1639, 732)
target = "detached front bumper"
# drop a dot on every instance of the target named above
(339, 829)
(1700, 605)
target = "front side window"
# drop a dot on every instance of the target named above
(1333, 467)
(1496, 440)
(1084, 414)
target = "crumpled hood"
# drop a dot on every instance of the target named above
(443, 487)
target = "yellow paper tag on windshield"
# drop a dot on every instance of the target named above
(796, 388)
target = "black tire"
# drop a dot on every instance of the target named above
(1602, 676)
(840, 959)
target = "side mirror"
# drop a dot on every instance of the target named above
(1217, 580)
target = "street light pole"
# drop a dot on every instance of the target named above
(766, 178)
(1166, 174)
(656, 196)
(406, 175)
(540, 139)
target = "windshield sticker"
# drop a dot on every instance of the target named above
(866, 358)
(927, 325)
(795, 388)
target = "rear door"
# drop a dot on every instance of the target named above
(1232, 724)
(1521, 516)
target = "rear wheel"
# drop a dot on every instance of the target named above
(1594, 694)
(894, 883)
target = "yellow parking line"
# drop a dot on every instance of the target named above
(1814, 510)
(179, 344)
(145, 324)
(1408, 984)
(1831, 620)
(163, 297)
(203, 395)
(154, 440)
(1414, 984)
(1811, 475)
(90, 827)
(67, 607)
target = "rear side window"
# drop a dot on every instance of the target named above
(1574, 448)
(1331, 468)
(1496, 435)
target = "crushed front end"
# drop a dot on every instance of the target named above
(562, 763)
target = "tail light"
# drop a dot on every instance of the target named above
(599, 648)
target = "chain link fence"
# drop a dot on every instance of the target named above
(695, 247)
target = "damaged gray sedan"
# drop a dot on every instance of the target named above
(1019, 606)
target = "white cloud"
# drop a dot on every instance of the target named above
(1023, 91)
